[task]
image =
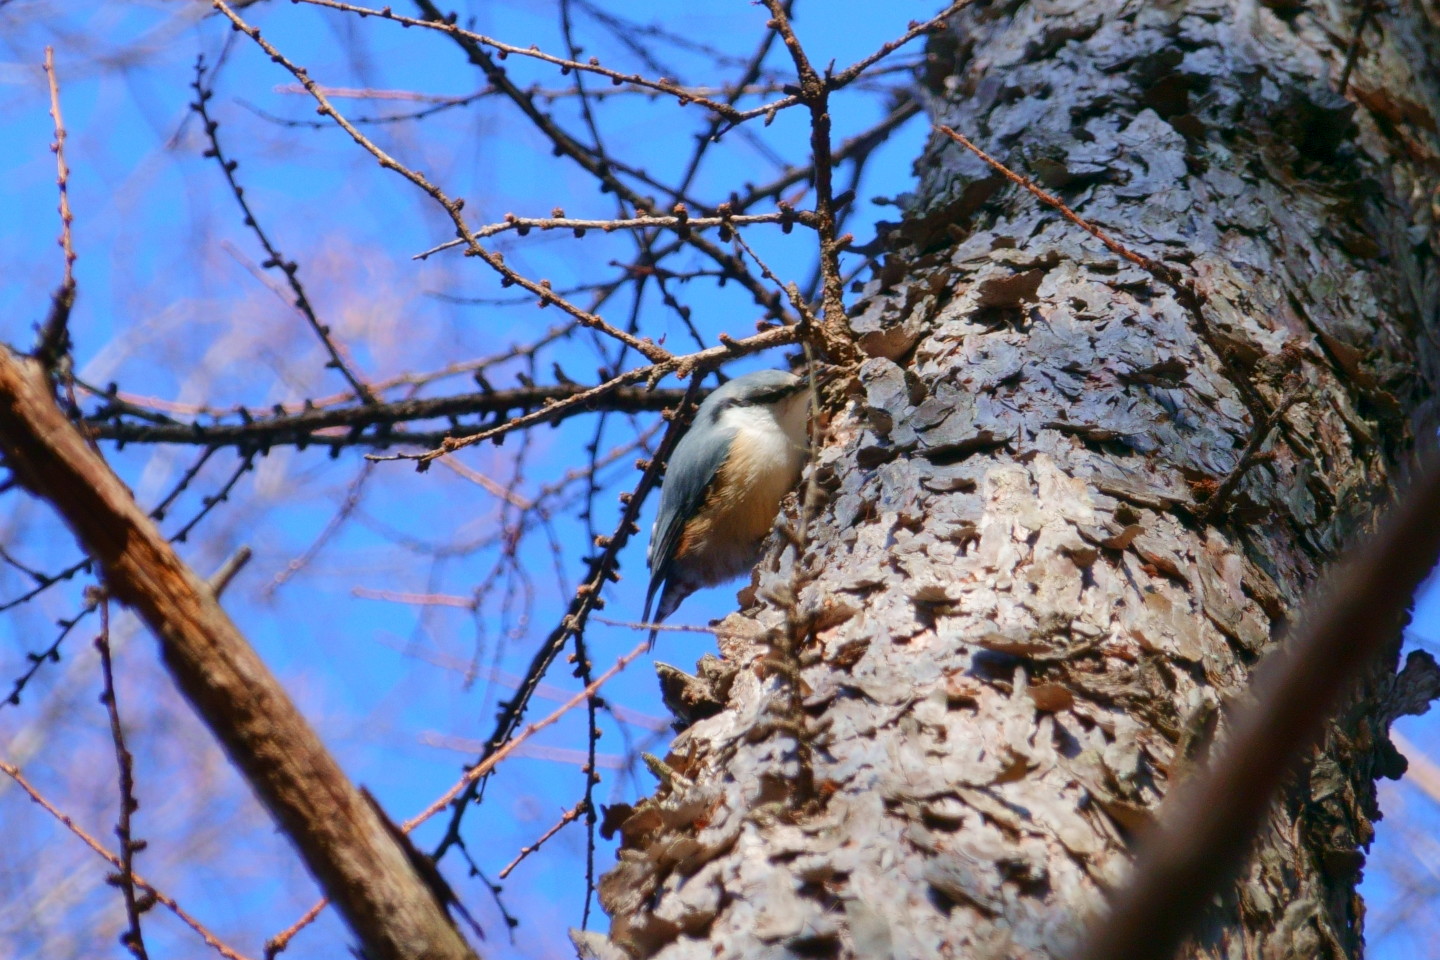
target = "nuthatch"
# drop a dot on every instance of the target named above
(723, 485)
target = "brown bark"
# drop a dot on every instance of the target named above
(1021, 605)
(347, 845)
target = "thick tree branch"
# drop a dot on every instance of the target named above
(338, 833)
(1209, 822)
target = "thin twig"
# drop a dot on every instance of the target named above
(475, 773)
(133, 939)
(306, 426)
(273, 258)
(700, 361)
(681, 223)
(54, 340)
(212, 941)
(472, 776)
(1215, 505)
(569, 817)
(277, 944)
(1114, 246)
(448, 25)
(747, 76)
(857, 69)
(790, 290)
(542, 289)
(157, 409)
(1352, 54)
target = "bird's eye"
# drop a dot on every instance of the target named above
(774, 396)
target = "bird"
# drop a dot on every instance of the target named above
(723, 485)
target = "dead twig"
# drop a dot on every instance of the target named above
(1215, 505)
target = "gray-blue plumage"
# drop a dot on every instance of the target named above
(748, 402)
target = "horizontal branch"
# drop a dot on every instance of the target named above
(304, 428)
(681, 223)
(699, 362)
(663, 85)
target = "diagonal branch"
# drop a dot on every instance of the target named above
(340, 835)
(13, 772)
(547, 296)
(274, 260)
(448, 25)
(1208, 821)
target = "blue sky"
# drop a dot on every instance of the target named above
(170, 306)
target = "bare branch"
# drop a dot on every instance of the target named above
(132, 939)
(646, 347)
(54, 341)
(568, 817)
(681, 223)
(447, 25)
(306, 428)
(702, 360)
(274, 260)
(338, 833)
(482, 768)
(212, 941)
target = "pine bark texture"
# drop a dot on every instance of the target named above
(1016, 617)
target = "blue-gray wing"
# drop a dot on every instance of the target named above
(695, 462)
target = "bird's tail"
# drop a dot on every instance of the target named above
(645, 617)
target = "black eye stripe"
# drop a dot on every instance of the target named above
(764, 398)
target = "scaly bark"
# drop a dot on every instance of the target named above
(1020, 603)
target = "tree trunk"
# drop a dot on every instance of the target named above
(1028, 583)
